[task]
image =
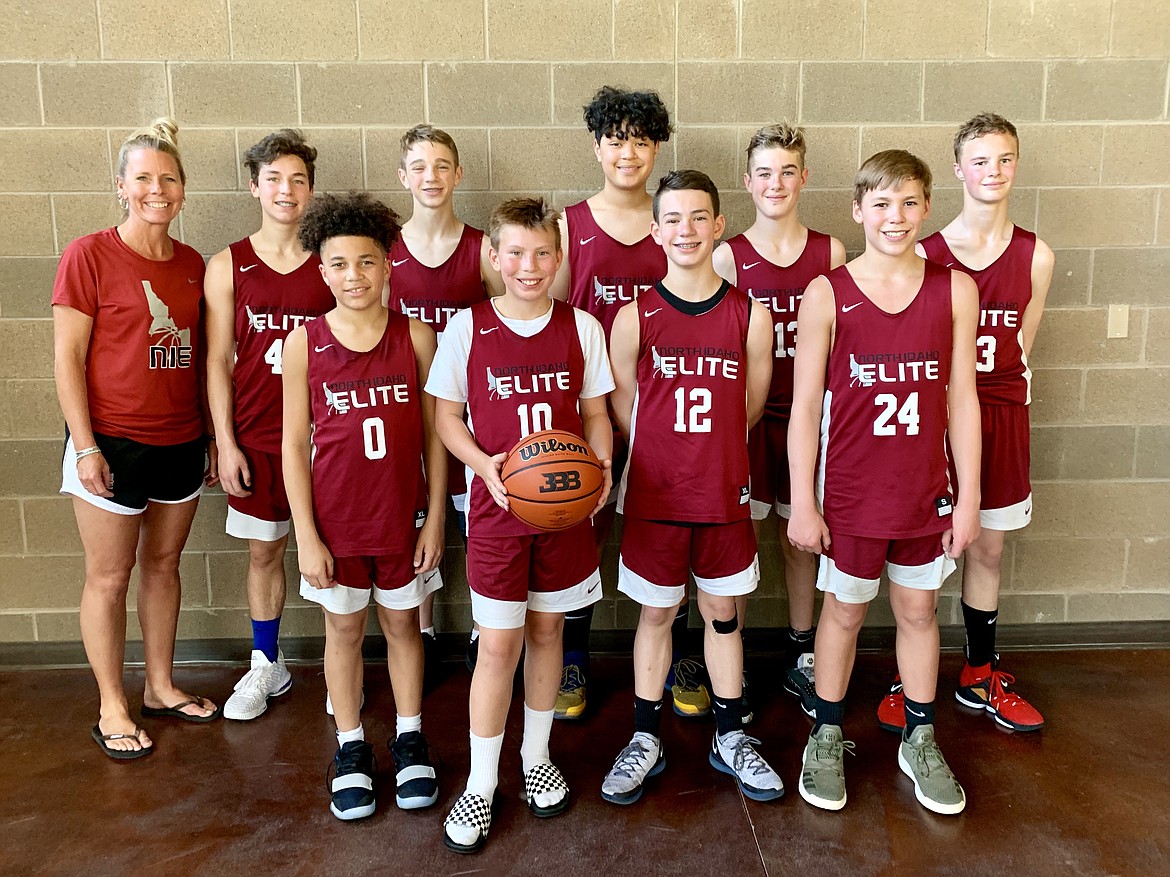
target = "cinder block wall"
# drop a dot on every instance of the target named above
(1085, 79)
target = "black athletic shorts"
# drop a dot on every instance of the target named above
(142, 473)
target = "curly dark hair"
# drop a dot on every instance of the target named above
(357, 214)
(615, 112)
(286, 141)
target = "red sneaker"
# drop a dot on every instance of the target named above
(891, 713)
(987, 688)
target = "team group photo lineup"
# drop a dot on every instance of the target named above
(368, 382)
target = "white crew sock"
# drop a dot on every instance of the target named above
(358, 733)
(406, 724)
(485, 766)
(534, 746)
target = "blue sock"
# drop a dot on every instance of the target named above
(264, 636)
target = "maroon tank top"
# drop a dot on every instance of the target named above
(368, 484)
(780, 290)
(269, 305)
(884, 421)
(605, 273)
(688, 433)
(517, 386)
(1002, 376)
(434, 295)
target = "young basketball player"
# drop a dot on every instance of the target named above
(886, 367)
(518, 364)
(692, 363)
(610, 259)
(357, 428)
(773, 261)
(257, 291)
(439, 266)
(1012, 269)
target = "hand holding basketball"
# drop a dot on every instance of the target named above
(553, 480)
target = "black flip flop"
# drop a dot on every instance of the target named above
(120, 754)
(176, 711)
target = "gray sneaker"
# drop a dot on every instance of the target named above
(642, 758)
(734, 754)
(822, 780)
(935, 786)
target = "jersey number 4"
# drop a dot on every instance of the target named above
(273, 354)
(907, 415)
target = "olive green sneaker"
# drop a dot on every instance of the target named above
(935, 786)
(822, 780)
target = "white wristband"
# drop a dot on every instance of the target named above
(86, 452)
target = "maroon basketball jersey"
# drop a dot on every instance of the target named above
(269, 305)
(434, 295)
(606, 273)
(688, 433)
(368, 485)
(517, 386)
(884, 421)
(1002, 375)
(780, 291)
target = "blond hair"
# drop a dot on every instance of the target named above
(782, 135)
(160, 135)
(885, 170)
(534, 214)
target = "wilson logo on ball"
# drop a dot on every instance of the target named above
(553, 479)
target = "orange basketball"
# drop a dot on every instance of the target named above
(553, 479)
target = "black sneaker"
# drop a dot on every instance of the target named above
(414, 775)
(352, 788)
(800, 682)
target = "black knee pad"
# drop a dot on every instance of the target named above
(726, 627)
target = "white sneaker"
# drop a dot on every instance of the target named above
(736, 755)
(266, 679)
(642, 758)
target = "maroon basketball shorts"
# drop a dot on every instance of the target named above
(547, 572)
(265, 514)
(768, 458)
(1005, 486)
(851, 567)
(389, 579)
(657, 557)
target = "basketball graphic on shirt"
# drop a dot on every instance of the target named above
(553, 479)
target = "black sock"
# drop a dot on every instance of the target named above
(829, 712)
(980, 634)
(918, 714)
(728, 715)
(678, 634)
(797, 643)
(647, 716)
(576, 636)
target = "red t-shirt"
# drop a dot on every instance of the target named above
(368, 484)
(142, 366)
(269, 305)
(884, 423)
(688, 432)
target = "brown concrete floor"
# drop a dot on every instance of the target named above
(1088, 795)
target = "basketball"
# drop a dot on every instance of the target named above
(553, 480)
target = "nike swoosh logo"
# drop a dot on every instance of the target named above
(244, 268)
(914, 712)
(488, 331)
(395, 264)
(651, 313)
(747, 267)
(428, 578)
(585, 241)
(319, 349)
(950, 264)
(847, 308)
(591, 590)
(192, 279)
